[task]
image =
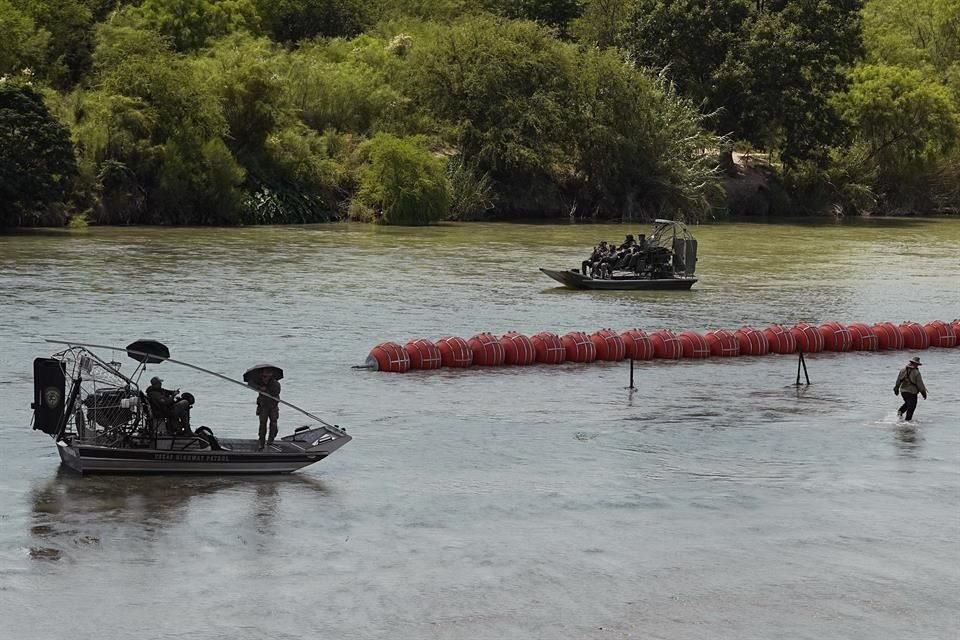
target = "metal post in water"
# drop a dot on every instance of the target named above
(803, 363)
(631, 387)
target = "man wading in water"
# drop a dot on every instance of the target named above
(909, 384)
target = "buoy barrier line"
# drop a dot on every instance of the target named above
(544, 347)
(518, 349)
(549, 348)
(693, 345)
(666, 346)
(390, 357)
(578, 347)
(941, 334)
(914, 337)
(752, 342)
(863, 338)
(423, 353)
(609, 345)
(454, 352)
(487, 350)
(723, 343)
(637, 344)
(808, 338)
(780, 340)
(888, 336)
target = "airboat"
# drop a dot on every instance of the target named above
(102, 422)
(666, 261)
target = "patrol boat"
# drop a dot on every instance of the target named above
(102, 422)
(668, 261)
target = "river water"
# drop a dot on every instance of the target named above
(716, 501)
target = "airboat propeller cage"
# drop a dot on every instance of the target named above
(148, 351)
(676, 237)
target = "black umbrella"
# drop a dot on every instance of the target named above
(149, 351)
(252, 375)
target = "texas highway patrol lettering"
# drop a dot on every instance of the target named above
(181, 457)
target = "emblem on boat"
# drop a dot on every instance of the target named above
(52, 397)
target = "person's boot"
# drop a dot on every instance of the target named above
(260, 446)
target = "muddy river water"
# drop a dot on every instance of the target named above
(715, 501)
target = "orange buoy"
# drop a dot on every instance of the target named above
(638, 345)
(487, 350)
(914, 337)
(423, 354)
(666, 346)
(579, 347)
(609, 345)
(517, 348)
(723, 343)
(693, 345)
(888, 336)
(809, 339)
(863, 337)
(752, 342)
(389, 357)
(941, 334)
(454, 352)
(548, 347)
(836, 337)
(779, 339)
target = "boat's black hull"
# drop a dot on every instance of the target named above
(576, 280)
(235, 457)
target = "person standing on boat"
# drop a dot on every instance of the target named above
(909, 384)
(268, 408)
(164, 404)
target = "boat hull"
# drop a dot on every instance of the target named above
(577, 280)
(236, 457)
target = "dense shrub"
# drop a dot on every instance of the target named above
(404, 182)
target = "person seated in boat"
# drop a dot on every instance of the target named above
(642, 242)
(598, 253)
(608, 256)
(636, 259)
(166, 405)
(628, 242)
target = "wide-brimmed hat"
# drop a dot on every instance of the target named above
(915, 360)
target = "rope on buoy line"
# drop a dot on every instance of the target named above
(515, 349)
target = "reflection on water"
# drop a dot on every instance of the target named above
(71, 511)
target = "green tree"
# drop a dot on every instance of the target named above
(557, 14)
(768, 69)
(291, 21)
(193, 24)
(152, 133)
(346, 86)
(37, 165)
(404, 181)
(642, 151)
(602, 22)
(900, 117)
(507, 88)
(23, 45)
(70, 45)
